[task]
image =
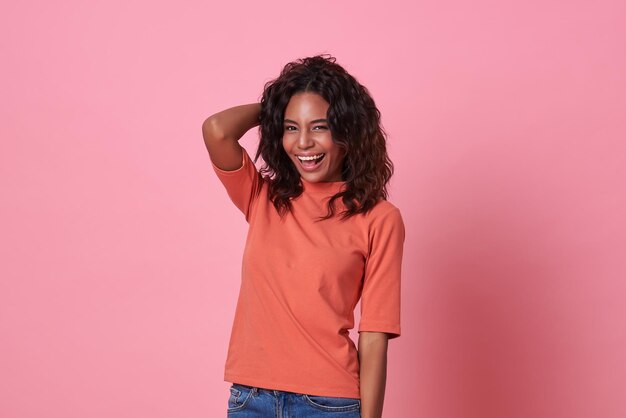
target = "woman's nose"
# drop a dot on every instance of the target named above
(304, 140)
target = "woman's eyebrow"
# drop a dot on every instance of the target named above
(313, 121)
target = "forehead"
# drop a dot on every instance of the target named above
(306, 104)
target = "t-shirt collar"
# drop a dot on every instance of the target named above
(325, 187)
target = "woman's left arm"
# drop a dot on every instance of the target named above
(373, 372)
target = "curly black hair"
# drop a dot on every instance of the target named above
(354, 123)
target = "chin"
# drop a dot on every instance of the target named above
(312, 179)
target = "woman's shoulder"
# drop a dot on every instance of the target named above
(383, 209)
(384, 206)
(384, 223)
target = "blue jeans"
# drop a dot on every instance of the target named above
(252, 402)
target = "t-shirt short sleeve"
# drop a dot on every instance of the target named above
(380, 298)
(242, 185)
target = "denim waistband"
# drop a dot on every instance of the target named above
(257, 390)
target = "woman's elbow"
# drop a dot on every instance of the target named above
(212, 130)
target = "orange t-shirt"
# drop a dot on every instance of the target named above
(301, 281)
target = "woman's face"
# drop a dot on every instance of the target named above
(307, 139)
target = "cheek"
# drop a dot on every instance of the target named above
(340, 161)
(340, 156)
(330, 145)
(336, 151)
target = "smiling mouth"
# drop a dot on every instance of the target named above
(311, 161)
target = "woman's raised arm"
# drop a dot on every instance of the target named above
(223, 130)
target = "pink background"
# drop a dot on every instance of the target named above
(121, 252)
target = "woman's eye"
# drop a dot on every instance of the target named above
(320, 127)
(290, 128)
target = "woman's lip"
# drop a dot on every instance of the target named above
(310, 154)
(313, 168)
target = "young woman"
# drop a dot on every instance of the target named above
(321, 236)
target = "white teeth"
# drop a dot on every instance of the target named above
(312, 157)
